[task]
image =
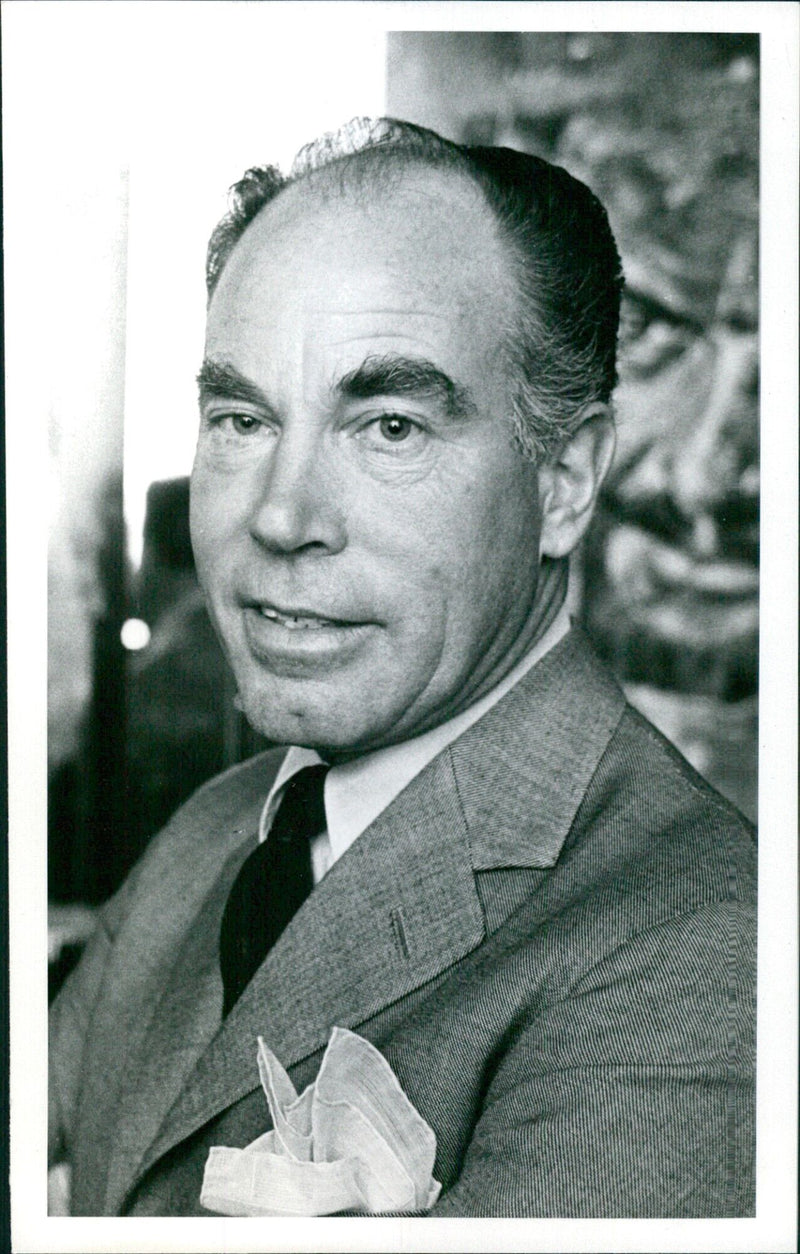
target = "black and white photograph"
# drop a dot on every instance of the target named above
(402, 617)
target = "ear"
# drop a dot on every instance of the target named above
(570, 480)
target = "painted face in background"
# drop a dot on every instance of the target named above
(366, 533)
(684, 492)
(671, 563)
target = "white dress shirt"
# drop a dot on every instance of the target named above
(356, 792)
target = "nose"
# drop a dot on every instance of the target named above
(299, 503)
(709, 464)
(721, 448)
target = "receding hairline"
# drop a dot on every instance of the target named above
(555, 252)
(366, 181)
(416, 179)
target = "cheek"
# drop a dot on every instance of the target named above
(212, 520)
(469, 546)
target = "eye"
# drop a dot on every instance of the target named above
(651, 336)
(234, 432)
(395, 428)
(390, 435)
(243, 424)
(230, 424)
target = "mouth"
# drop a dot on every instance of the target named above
(293, 636)
(300, 620)
(642, 559)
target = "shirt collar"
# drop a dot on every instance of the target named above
(357, 792)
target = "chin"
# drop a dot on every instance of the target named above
(296, 723)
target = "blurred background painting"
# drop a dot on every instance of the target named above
(664, 127)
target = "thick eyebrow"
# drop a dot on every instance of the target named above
(657, 306)
(390, 375)
(221, 380)
(385, 375)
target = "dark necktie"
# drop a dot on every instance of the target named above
(272, 884)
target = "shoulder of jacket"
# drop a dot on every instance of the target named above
(672, 781)
(231, 801)
(217, 817)
(650, 825)
(235, 789)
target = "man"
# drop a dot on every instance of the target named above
(517, 891)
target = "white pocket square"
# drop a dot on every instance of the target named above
(351, 1142)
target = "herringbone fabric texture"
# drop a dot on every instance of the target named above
(549, 935)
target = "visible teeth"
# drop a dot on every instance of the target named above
(293, 622)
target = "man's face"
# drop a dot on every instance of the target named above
(365, 530)
(683, 566)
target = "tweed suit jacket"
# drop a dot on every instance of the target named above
(549, 934)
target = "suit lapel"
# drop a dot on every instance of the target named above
(159, 1009)
(400, 907)
(523, 770)
(185, 1021)
(396, 910)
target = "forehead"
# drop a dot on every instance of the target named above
(418, 250)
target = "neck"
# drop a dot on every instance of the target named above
(551, 592)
